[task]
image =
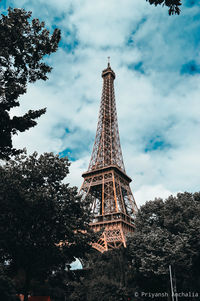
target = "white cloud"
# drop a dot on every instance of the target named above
(76, 169)
(147, 193)
(156, 102)
(76, 265)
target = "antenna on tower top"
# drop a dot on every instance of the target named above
(108, 61)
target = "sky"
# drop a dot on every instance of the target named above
(156, 59)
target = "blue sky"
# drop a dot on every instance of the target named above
(156, 58)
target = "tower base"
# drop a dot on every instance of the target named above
(116, 227)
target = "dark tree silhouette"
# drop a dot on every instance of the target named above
(174, 5)
(43, 223)
(7, 290)
(167, 233)
(23, 45)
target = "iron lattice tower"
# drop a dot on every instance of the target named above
(113, 206)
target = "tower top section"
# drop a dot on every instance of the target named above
(107, 150)
(108, 70)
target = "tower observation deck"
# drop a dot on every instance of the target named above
(113, 204)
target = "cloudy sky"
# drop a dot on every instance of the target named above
(156, 59)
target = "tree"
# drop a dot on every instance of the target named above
(7, 290)
(106, 278)
(167, 233)
(43, 223)
(172, 4)
(22, 49)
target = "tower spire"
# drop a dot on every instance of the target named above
(108, 61)
(113, 207)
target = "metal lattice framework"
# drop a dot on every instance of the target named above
(107, 149)
(113, 204)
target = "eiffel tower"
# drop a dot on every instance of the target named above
(113, 205)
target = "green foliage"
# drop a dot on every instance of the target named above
(103, 289)
(107, 278)
(172, 4)
(111, 265)
(38, 212)
(78, 291)
(167, 233)
(23, 45)
(7, 290)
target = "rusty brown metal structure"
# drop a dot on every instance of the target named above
(113, 206)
